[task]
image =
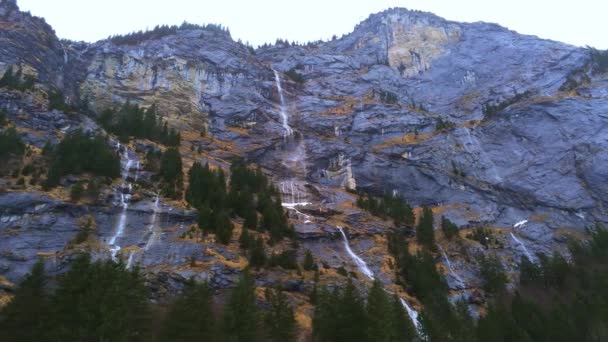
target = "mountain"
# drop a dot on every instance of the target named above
(490, 128)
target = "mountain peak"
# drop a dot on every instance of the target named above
(7, 5)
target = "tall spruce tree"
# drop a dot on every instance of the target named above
(27, 317)
(241, 314)
(191, 317)
(425, 232)
(279, 319)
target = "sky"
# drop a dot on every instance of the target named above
(580, 22)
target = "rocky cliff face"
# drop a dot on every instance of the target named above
(488, 126)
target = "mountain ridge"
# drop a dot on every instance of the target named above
(491, 129)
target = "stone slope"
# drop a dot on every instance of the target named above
(396, 106)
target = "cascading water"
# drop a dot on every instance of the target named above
(294, 199)
(282, 111)
(130, 260)
(523, 247)
(154, 236)
(521, 244)
(360, 263)
(450, 268)
(124, 193)
(365, 270)
(413, 315)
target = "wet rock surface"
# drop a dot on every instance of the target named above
(396, 106)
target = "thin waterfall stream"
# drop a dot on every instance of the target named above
(124, 193)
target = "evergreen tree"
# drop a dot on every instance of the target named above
(10, 144)
(450, 230)
(241, 314)
(492, 274)
(309, 261)
(280, 320)
(222, 227)
(27, 317)
(257, 255)
(171, 172)
(191, 317)
(379, 314)
(99, 301)
(245, 240)
(81, 152)
(425, 232)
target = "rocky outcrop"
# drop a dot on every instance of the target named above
(488, 126)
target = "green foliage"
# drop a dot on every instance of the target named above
(449, 229)
(57, 101)
(425, 231)
(279, 320)
(3, 117)
(286, 260)
(76, 191)
(393, 207)
(241, 314)
(250, 192)
(28, 315)
(387, 96)
(222, 226)
(492, 274)
(309, 261)
(387, 319)
(340, 315)
(134, 121)
(492, 108)
(483, 236)
(171, 173)
(600, 59)
(257, 254)
(80, 152)
(16, 81)
(10, 144)
(161, 31)
(295, 76)
(345, 315)
(100, 301)
(444, 125)
(245, 240)
(191, 316)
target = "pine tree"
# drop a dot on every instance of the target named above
(27, 317)
(352, 319)
(257, 255)
(425, 232)
(309, 261)
(450, 230)
(241, 314)
(245, 240)
(279, 319)
(223, 227)
(379, 314)
(99, 301)
(190, 317)
(492, 274)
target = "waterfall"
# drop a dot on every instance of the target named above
(523, 247)
(124, 192)
(130, 260)
(152, 227)
(360, 263)
(413, 315)
(450, 268)
(294, 199)
(520, 224)
(283, 111)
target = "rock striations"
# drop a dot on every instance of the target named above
(488, 126)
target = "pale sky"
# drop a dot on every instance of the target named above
(581, 22)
